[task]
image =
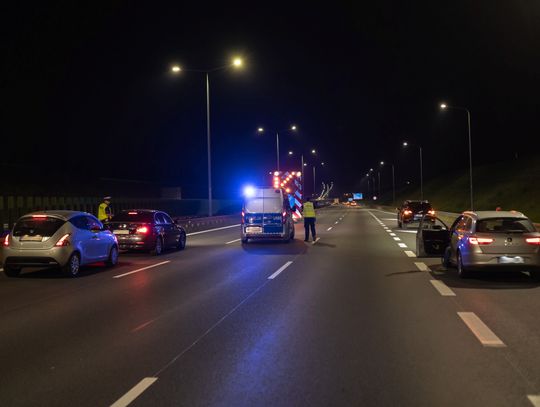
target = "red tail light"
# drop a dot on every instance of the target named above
(39, 216)
(530, 240)
(480, 240)
(6, 240)
(63, 241)
(283, 216)
(143, 230)
(407, 212)
(431, 212)
(243, 217)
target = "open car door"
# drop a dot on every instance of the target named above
(433, 237)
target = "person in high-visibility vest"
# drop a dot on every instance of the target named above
(104, 210)
(308, 211)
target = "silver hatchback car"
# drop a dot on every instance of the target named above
(65, 239)
(499, 240)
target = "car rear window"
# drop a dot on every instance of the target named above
(134, 216)
(504, 225)
(264, 205)
(420, 206)
(34, 226)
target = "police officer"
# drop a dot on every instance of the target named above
(308, 211)
(104, 210)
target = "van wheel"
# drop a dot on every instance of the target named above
(158, 247)
(11, 271)
(462, 272)
(244, 240)
(113, 257)
(73, 265)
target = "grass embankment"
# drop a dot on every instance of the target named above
(512, 185)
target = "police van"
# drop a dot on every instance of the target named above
(266, 214)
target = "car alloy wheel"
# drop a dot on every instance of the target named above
(158, 248)
(181, 241)
(73, 265)
(113, 257)
(462, 272)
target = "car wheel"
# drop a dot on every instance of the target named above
(181, 241)
(113, 257)
(292, 233)
(158, 247)
(244, 240)
(11, 271)
(73, 265)
(446, 261)
(462, 272)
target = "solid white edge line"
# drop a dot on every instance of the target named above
(329, 229)
(534, 399)
(280, 270)
(233, 241)
(482, 332)
(442, 288)
(141, 269)
(410, 253)
(402, 245)
(212, 230)
(134, 392)
(406, 231)
(316, 240)
(421, 266)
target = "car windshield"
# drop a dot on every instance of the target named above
(37, 226)
(134, 216)
(504, 225)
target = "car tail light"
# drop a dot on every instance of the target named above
(39, 216)
(407, 212)
(143, 230)
(243, 217)
(133, 213)
(431, 212)
(480, 240)
(283, 216)
(63, 241)
(6, 240)
(530, 240)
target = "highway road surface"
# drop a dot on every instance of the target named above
(352, 320)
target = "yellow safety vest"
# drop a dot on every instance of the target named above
(309, 210)
(103, 213)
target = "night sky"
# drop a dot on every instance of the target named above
(87, 89)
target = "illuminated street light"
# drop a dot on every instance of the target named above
(260, 129)
(444, 107)
(313, 151)
(405, 144)
(236, 62)
(293, 127)
(290, 153)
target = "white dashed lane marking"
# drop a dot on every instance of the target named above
(442, 288)
(402, 245)
(409, 253)
(393, 234)
(141, 269)
(397, 239)
(233, 241)
(421, 266)
(329, 229)
(534, 399)
(277, 273)
(135, 392)
(481, 330)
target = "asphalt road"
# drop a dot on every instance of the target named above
(350, 320)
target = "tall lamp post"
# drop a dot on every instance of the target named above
(444, 106)
(176, 69)
(393, 182)
(292, 128)
(406, 144)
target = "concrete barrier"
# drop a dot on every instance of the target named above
(214, 222)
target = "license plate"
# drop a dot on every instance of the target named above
(121, 232)
(511, 260)
(253, 229)
(27, 238)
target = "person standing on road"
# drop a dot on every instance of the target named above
(308, 211)
(104, 210)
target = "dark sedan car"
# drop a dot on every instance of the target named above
(147, 230)
(413, 211)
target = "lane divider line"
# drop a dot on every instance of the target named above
(212, 230)
(393, 234)
(421, 266)
(141, 269)
(482, 332)
(406, 231)
(277, 273)
(134, 392)
(316, 240)
(389, 231)
(534, 399)
(397, 239)
(410, 253)
(442, 288)
(233, 241)
(335, 223)
(402, 245)
(329, 229)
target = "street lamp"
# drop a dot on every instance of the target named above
(444, 107)
(237, 63)
(292, 128)
(406, 144)
(393, 183)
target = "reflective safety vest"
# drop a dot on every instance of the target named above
(309, 210)
(103, 212)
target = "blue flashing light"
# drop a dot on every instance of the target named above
(249, 191)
